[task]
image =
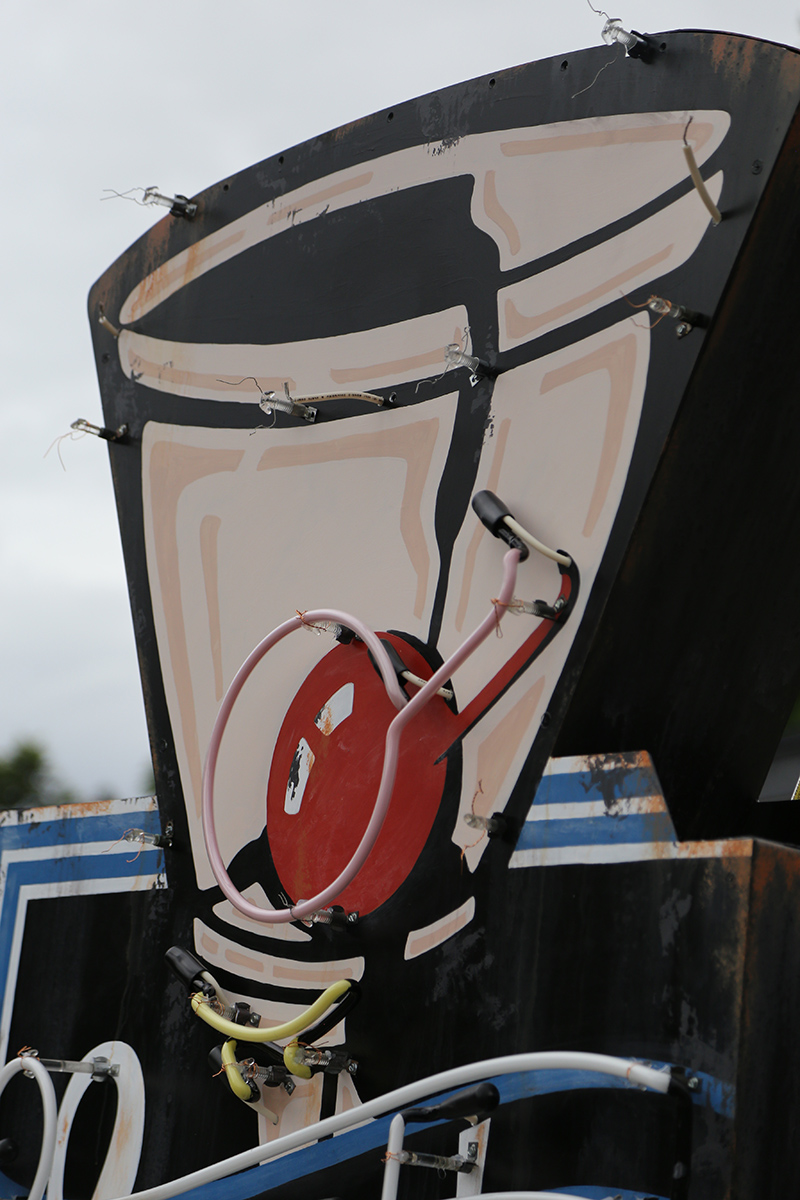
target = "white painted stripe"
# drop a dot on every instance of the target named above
(276, 933)
(420, 941)
(624, 807)
(295, 787)
(219, 951)
(559, 856)
(337, 709)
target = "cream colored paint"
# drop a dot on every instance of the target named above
(551, 182)
(374, 358)
(343, 514)
(351, 530)
(420, 941)
(272, 933)
(276, 970)
(620, 265)
(574, 416)
(209, 533)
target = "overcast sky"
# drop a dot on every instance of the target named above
(102, 95)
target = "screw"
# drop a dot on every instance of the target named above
(682, 329)
(693, 1084)
(757, 167)
(352, 918)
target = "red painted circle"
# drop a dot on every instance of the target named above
(312, 845)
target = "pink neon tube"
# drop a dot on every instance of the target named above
(408, 710)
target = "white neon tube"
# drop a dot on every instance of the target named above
(535, 544)
(560, 1060)
(49, 1129)
(391, 1171)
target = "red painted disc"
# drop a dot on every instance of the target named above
(325, 775)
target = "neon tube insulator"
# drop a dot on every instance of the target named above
(271, 402)
(179, 206)
(150, 839)
(455, 357)
(108, 435)
(488, 825)
(332, 1060)
(333, 916)
(613, 31)
(108, 325)
(271, 1076)
(436, 1162)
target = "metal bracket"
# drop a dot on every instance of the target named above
(100, 1068)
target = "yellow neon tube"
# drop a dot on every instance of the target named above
(245, 1033)
(233, 1074)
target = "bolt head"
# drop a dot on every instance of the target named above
(693, 1084)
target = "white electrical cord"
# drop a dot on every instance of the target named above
(42, 1077)
(564, 1060)
(535, 544)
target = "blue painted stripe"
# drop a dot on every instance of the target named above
(77, 830)
(596, 831)
(604, 1193)
(578, 786)
(517, 1086)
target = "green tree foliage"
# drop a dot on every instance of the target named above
(26, 780)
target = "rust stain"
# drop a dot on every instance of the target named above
(324, 721)
(174, 274)
(729, 955)
(122, 1131)
(735, 56)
